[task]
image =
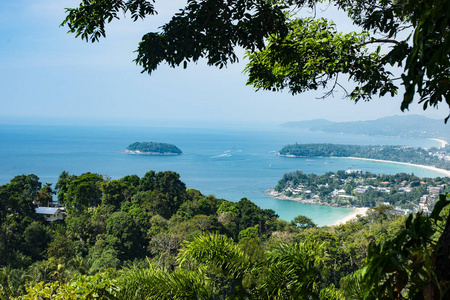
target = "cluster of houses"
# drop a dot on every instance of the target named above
(342, 197)
(442, 155)
(430, 199)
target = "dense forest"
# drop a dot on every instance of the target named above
(353, 188)
(152, 238)
(404, 154)
(154, 148)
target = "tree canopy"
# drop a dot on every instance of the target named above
(287, 50)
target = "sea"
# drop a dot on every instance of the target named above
(230, 163)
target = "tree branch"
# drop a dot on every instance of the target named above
(381, 41)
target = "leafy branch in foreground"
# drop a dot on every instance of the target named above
(314, 54)
(413, 265)
(295, 52)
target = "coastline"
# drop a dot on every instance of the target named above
(137, 152)
(443, 142)
(357, 211)
(431, 168)
(438, 170)
(274, 194)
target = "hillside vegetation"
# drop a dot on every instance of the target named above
(151, 238)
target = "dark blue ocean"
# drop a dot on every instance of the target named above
(229, 163)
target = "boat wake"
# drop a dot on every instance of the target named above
(221, 155)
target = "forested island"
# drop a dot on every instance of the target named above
(435, 157)
(353, 188)
(152, 238)
(152, 148)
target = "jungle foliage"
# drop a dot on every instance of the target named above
(151, 238)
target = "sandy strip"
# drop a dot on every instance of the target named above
(358, 211)
(443, 142)
(363, 210)
(442, 171)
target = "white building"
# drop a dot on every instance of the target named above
(51, 213)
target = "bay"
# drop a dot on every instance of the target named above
(230, 163)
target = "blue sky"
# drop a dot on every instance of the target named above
(49, 77)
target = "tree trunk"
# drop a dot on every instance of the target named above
(442, 267)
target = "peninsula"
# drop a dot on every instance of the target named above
(433, 157)
(355, 189)
(152, 148)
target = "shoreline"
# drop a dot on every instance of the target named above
(274, 194)
(443, 142)
(137, 152)
(357, 211)
(431, 168)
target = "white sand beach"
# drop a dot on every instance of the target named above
(443, 142)
(362, 210)
(442, 171)
(358, 211)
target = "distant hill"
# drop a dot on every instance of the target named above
(399, 126)
(308, 124)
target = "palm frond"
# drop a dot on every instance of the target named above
(294, 269)
(155, 283)
(218, 250)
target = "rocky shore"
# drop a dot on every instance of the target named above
(274, 194)
(357, 211)
(148, 153)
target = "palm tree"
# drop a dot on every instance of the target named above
(211, 266)
(294, 271)
(157, 283)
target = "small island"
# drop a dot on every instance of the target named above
(152, 148)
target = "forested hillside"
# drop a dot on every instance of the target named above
(151, 238)
(353, 188)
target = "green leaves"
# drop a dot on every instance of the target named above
(211, 30)
(217, 250)
(443, 202)
(295, 54)
(427, 68)
(83, 191)
(312, 55)
(405, 265)
(89, 19)
(154, 283)
(294, 270)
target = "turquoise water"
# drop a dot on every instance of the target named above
(229, 163)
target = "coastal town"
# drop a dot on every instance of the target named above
(353, 188)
